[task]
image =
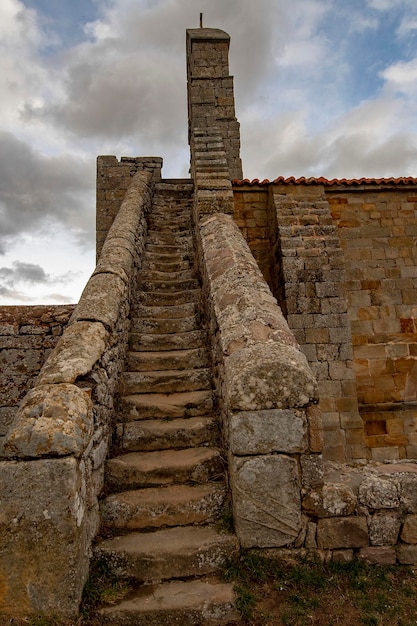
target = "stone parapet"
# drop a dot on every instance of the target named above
(266, 391)
(62, 429)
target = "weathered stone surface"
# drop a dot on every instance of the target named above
(409, 529)
(262, 432)
(190, 603)
(117, 257)
(342, 532)
(407, 554)
(101, 300)
(332, 500)
(177, 505)
(266, 376)
(384, 528)
(168, 553)
(75, 354)
(7, 415)
(44, 536)
(263, 367)
(311, 471)
(52, 419)
(379, 493)
(409, 492)
(378, 556)
(266, 500)
(342, 556)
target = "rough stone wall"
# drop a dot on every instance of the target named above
(252, 215)
(377, 226)
(52, 466)
(313, 273)
(27, 336)
(211, 101)
(113, 179)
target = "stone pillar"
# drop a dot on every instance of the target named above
(211, 102)
(313, 275)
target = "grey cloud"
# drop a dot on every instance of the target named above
(131, 83)
(37, 189)
(23, 272)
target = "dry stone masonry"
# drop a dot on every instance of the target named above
(242, 347)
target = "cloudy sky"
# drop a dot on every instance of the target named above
(323, 88)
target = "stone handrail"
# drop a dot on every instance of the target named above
(54, 451)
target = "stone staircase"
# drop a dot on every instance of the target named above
(166, 484)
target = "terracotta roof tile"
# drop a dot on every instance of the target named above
(403, 180)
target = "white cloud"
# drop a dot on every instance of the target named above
(401, 77)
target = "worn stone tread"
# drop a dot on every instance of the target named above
(168, 553)
(165, 264)
(185, 247)
(167, 311)
(186, 603)
(164, 467)
(166, 381)
(162, 326)
(162, 298)
(168, 360)
(162, 405)
(159, 434)
(155, 507)
(157, 275)
(149, 342)
(173, 285)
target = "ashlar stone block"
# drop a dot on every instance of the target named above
(266, 500)
(262, 432)
(44, 537)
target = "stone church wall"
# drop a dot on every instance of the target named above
(374, 228)
(377, 228)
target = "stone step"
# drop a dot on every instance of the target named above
(162, 298)
(164, 312)
(184, 248)
(160, 434)
(165, 264)
(165, 406)
(168, 553)
(156, 507)
(173, 285)
(175, 221)
(165, 326)
(174, 341)
(167, 381)
(158, 275)
(170, 239)
(186, 603)
(163, 255)
(168, 360)
(165, 467)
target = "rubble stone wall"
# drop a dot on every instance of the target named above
(52, 457)
(27, 336)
